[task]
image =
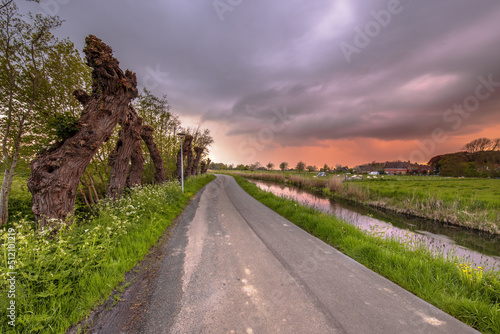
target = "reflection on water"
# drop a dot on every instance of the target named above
(480, 248)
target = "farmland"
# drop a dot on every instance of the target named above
(469, 202)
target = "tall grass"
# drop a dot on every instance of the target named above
(467, 293)
(330, 186)
(335, 185)
(272, 177)
(60, 278)
(305, 182)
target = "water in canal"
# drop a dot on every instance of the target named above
(480, 248)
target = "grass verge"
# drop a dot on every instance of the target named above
(470, 294)
(471, 203)
(58, 280)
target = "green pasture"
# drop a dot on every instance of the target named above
(484, 193)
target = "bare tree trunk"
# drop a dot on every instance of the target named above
(4, 195)
(205, 168)
(202, 167)
(136, 166)
(55, 174)
(82, 193)
(147, 136)
(119, 159)
(92, 185)
(186, 146)
(190, 162)
(199, 152)
(86, 185)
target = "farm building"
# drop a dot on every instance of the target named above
(423, 169)
(369, 168)
(398, 167)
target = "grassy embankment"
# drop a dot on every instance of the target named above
(473, 203)
(59, 280)
(469, 294)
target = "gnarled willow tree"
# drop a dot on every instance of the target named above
(199, 152)
(55, 174)
(128, 150)
(186, 152)
(119, 159)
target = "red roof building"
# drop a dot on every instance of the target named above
(398, 167)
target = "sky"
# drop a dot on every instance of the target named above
(324, 81)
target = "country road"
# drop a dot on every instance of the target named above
(234, 266)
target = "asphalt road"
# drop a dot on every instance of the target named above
(235, 266)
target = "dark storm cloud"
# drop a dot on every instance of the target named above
(264, 55)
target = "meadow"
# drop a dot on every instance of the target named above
(469, 293)
(60, 279)
(482, 192)
(468, 202)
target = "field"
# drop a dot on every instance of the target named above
(483, 193)
(468, 202)
(473, 203)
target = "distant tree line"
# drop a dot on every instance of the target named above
(283, 166)
(479, 158)
(482, 144)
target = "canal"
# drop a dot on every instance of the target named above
(482, 249)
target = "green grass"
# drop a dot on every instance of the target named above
(60, 279)
(472, 202)
(481, 192)
(19, 199)
(472, 296)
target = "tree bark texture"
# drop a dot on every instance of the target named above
(202, 167)
(188, 153)
(136, 166)
(55, 174)
(119, 159)
(205, 168)
(197, 158)
(186, 146)
(147, 136)
(8, 178)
